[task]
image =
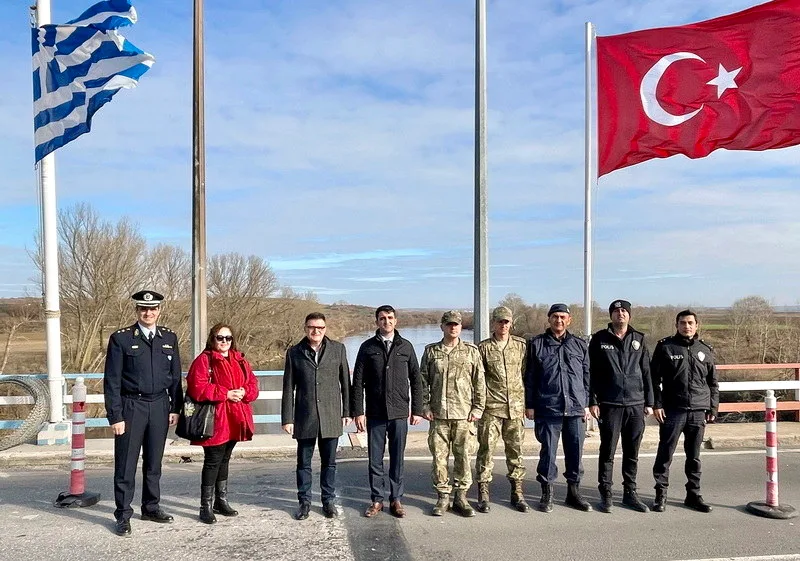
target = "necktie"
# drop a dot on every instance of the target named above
(388, 345)
(150, 337)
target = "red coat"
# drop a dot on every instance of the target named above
(210, 377)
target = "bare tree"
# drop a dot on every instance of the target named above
(17, 314)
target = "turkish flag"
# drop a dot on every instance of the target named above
(731, 82)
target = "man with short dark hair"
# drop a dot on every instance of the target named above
(686, 398)
(557, 397)
(387, 371)
(315, 407)
(143, 396)
(621, 398)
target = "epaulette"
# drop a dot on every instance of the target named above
(123, 330)
(432, 344)
(662, 340)
(167, 329)
(706, 344)
(520, 339)
(467, 343)
(487, 341)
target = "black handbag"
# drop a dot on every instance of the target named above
(196, 419)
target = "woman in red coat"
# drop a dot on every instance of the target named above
(221, 374)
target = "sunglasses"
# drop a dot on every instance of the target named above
(222, 338)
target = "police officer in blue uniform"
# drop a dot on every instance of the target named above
(143, 395)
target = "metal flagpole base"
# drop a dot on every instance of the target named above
(66, 499)
(781, 512)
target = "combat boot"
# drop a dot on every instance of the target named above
(631, 498)
(221, 505)
(574, 498)
(461, 505)
(206, 496)
(517, 496)
(442, 505)
(695, 501)
(546, 502)
(483, 497)
(606, 499)
(660, 504)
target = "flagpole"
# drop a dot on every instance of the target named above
(480, 262)
(52, 312)
(199, 294)
(591, 180)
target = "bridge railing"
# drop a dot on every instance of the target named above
(273, 397)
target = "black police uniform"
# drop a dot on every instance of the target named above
(686, 387)
(142, 386)
(622, 387)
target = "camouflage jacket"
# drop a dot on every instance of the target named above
(453, 385)
(504, 371)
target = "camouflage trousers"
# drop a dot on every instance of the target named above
(458, 436)
(490, 430)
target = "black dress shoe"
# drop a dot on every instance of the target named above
(697, 503)
(330, 510)
(302, 512)
(158, 516)
(122, 527)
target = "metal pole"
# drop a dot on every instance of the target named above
(52, 311)
(591, 179)
(198, 190)
(481, 264)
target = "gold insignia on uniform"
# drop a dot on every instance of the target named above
(136, 333)
(166, 346)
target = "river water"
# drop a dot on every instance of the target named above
(419, 336)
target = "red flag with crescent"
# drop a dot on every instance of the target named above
(731, 82)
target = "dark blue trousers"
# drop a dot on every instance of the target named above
(377, 432)
(571, 430)
(616, 421)
(327, 476)
(693, 426)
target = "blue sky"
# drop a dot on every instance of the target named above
(340, 148)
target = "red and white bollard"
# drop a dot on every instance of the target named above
(772, 507)
(77, 495)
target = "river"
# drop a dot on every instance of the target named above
(419, 336)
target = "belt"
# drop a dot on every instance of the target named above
(146, 396)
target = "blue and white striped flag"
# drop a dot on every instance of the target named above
(78, 67)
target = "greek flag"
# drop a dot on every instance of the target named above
(78, 67)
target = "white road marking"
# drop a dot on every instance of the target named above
(788, 557)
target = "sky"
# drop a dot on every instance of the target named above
(340, 148)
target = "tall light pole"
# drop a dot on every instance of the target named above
(199, 309)
(481, 246)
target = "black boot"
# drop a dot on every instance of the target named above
(483, 497)
(206, 496)
(574, 498)
(221, 505)
(546, 502)
(461, 504)
(631, 498)
(695, 501)
(606, 499)
(517, 496)
(660, 504)
(442, 505)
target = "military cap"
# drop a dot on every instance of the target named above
(617, 304)
(558, 308)
(452, 316)
(147, 298)
(500, 313)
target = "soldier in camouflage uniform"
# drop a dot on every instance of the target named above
(503, 358)
(454, 394)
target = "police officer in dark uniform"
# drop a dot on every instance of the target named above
(686, 398)
(143, 395)
(621, 398)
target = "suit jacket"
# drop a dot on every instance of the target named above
(316, 396)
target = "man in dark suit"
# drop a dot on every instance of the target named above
(143, 395)
(315, 407)
(388, 370)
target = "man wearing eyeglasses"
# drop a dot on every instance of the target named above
(314, 409)
(143, 395)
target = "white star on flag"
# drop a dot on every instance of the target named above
(724, 80)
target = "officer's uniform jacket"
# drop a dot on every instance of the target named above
(138, 368)
(453, 384)
(684, 375)
(620, 369)
(504, 369)
(557, 375)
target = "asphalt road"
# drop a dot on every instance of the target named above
(264, 493)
